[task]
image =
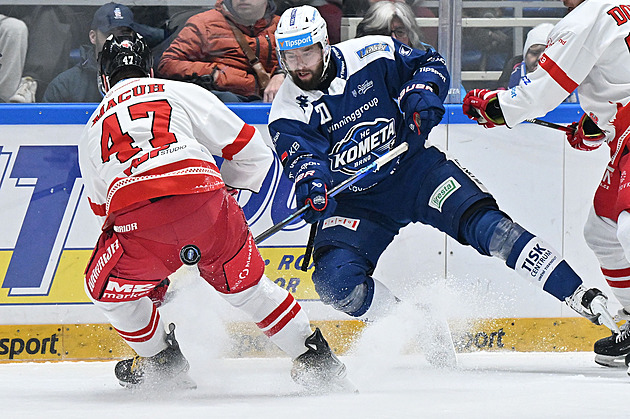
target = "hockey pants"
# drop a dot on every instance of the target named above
(151, 237)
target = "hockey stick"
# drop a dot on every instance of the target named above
(537, 122)
(372, 167)
(308, 252)
(551, 125)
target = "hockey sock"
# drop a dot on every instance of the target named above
(139, 323)
(535, 260)
(276, 313)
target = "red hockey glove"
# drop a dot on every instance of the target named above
(482, 105)
(586, 135)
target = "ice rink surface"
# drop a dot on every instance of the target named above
(394, 382)
(485, 385)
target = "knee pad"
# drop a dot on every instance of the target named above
(342, 280)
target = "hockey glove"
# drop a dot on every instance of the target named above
(586, 135)
(591, 303)
(312, 192)
(482, 105)
(423, 110)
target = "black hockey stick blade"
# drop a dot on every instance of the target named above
(308, 252)
(372, 167)
(551, 125)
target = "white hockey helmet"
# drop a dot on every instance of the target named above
(299, 27)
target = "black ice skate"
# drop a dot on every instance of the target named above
(614, 350)
(163, 371)
(318, 369)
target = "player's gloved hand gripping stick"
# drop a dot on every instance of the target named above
(373, 167)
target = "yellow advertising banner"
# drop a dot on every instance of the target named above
(283, 268)
(78, 342)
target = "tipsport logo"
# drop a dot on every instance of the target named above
(364, 143)
(295, 42)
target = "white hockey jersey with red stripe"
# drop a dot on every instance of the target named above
(589, 48)
(151, 137)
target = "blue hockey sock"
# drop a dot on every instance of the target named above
(535, 260)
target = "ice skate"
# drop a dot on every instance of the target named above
(614, 350)
(318, 369)
(165, 370)
(591, 303)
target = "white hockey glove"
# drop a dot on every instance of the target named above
(591, 303)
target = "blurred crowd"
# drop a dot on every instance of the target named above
(49, 53)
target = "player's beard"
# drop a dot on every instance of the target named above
(311, 83)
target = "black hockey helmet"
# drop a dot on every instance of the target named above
(123, 52)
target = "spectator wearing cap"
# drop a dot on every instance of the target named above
(79, 83)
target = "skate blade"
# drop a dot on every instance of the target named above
(335, 385)
(446, 359)
(611, 361)
(345, 385)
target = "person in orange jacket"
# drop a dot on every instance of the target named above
(206, 51)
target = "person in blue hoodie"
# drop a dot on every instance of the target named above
(79, 83)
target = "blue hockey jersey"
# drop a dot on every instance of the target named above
(358, 118)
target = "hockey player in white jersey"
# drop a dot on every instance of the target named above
(344, 106)
(589, 49)
(146, 155)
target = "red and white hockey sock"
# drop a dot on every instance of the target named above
(616, 264)
(276, 313)
(138, 323)
(619, 282)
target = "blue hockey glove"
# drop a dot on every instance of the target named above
(312, 192)
(423, 110)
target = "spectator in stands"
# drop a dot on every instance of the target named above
(360, 8)
(207, 51)
(330, 10)
(80, 83)
(52, 30)
(485, 48)
(395, 19)
(521, 65)
(13, 48)
(533, 48)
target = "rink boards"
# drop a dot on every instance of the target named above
(47, 233)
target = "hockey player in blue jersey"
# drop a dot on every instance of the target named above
(345, 105)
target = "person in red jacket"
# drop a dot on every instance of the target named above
(206, 51)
